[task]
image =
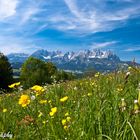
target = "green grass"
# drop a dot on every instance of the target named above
(94, 106)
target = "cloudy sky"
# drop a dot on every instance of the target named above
(67, 25)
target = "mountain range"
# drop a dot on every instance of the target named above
(80, 61)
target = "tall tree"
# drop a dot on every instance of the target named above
(6, 72)
(36, 72)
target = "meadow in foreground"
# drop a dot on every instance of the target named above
(99, 108)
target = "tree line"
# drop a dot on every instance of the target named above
(33, 72)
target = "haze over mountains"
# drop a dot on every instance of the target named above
(104, 61)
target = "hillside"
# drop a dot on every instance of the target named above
(100, 107)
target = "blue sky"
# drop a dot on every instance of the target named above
(68, 25)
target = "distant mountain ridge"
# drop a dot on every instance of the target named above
(74, 61)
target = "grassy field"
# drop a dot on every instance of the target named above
(97, 108)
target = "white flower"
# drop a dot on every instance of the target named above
(128, 73)
(32, 97)
(135, 101)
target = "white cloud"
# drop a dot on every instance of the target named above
(132, 49)
(75, 17)
(73, 8)
(102, 44)
(7, 8)
(96, 16)
(27, 15)
(10, 44)
(82, 17)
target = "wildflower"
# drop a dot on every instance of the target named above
(68, 119)
(64, 121)
(67, 114)
(89, 94)
(75, 88)
(119, 88)
(32, 97)
(66, 127)
(53, 111)
(44, 122)
(43, 101)
(14, 85)
(97, 74)
(129, 68)
(49, 101)
(24, 100)
(74, 102)
(136, 107)
(64, 99)
(38, 89)
(128, 73)
(93, 83)
(4, 110)
(123, 105)
(40, 114)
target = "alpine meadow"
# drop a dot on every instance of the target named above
(70, 69)
(100, 107)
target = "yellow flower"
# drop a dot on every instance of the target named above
(53, 111)
(14, 85)
(64, 121)
(24, 100)
(119, 89)
(40, 114)
(123, 105)
(93, 83)
(43, 101)
(136, 107)
(129, 68)
(38, 89)
(4, 110)
(68, 119)
(66, 127)
(11, 86)
(89, 94)
(64, 99)
(17, 84)
(44, 122)
(97, 74)
(49, 101)
(67, 114)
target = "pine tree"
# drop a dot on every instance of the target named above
(6, 72)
